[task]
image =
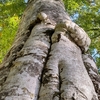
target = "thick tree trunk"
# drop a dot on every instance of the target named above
(46, 60)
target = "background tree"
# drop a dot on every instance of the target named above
(10, 14)
(45, 66)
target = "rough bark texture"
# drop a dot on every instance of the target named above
(46, 60)
(93, 72)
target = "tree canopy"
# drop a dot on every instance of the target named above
(85, 13)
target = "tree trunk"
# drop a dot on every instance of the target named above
(47, 60)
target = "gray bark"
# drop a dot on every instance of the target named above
(46, 60)
(93, 72)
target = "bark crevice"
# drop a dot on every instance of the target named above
(49, 33)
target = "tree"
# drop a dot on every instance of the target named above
(48, 59)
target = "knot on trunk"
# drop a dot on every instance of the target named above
(74, 33)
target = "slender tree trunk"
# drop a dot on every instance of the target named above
(47, 60)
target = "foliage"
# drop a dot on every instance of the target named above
(10, 13)
(85, 13)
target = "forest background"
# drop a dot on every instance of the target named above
(86, 13)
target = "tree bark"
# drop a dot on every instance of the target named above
(47, 60)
